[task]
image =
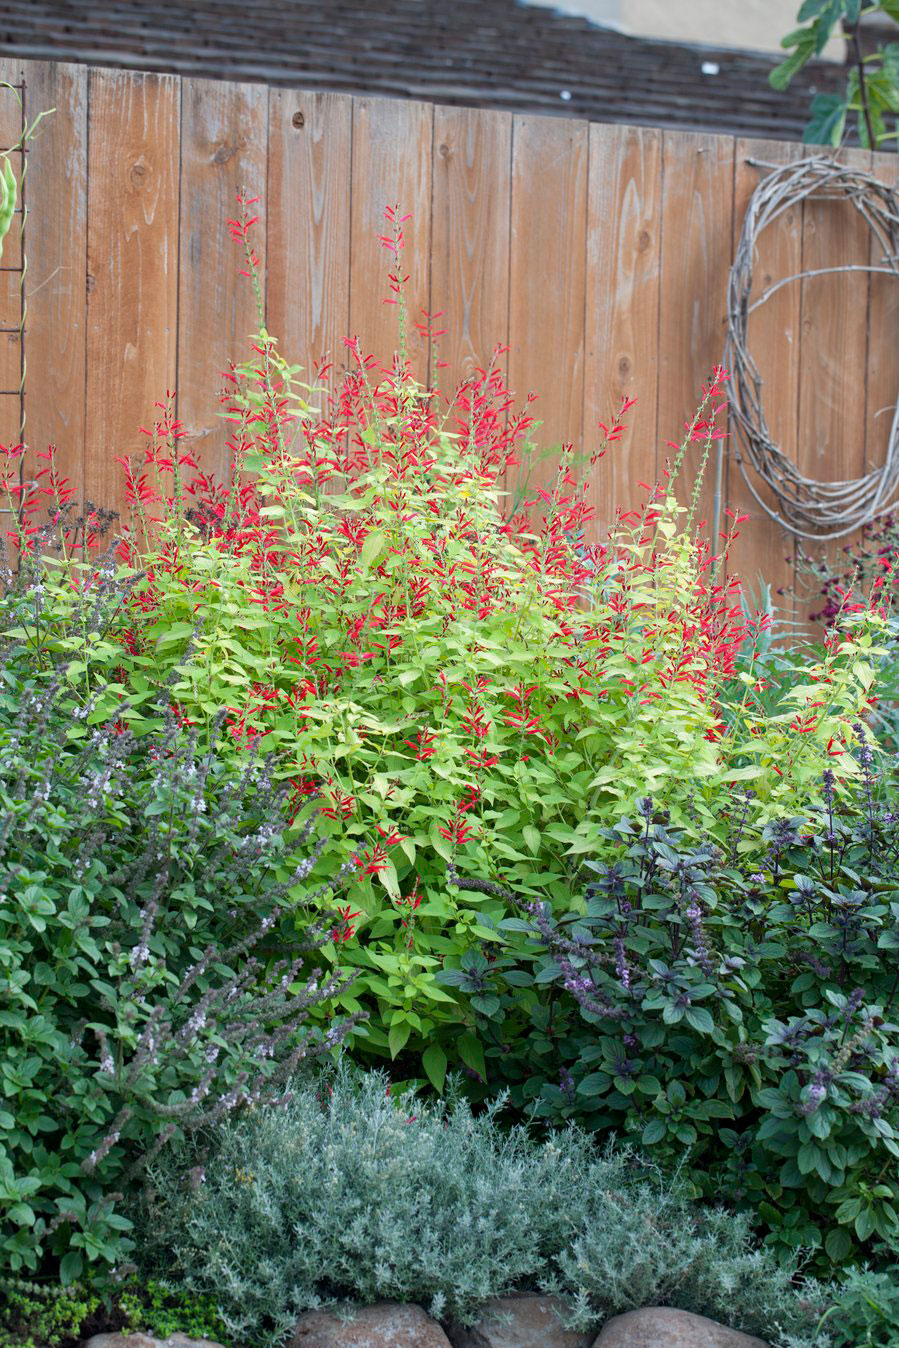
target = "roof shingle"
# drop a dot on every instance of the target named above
(486, 53)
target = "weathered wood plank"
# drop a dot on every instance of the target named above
(622, 293)
(224, 137)
(10, 276)
(697, 229)
(132, 266)
(308, 221)
(392, 143)
(547, 277)
(833, 347)
(56, 192)
(470, 238)
(882, 375)
(764, 550)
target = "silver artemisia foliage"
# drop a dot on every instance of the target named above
(349, 1194)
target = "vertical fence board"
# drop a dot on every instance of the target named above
(392, 143)
(10, 277)
(622, 286)
(56, 246)
(547, 277)
(470, 238)
(12, 71)
(132, 266)
(763, 548)
(224, 135)
(309, 191)
(833, 348)
(697, 227)
(882, 376)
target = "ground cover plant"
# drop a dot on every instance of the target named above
(443, 685)
(146, 987)
(45, 1315)
(353, 1193)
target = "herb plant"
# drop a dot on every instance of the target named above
(714, 1004)
(147, 988)
(356, 1193)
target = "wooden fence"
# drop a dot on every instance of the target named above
(597, 253)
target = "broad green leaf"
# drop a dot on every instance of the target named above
(532, 838)
(372, 548)
(397, 1037)
(838, 1244)
(700, 1019)
(434, 1062)
(472, 1053)
(71, 1267)
(828, 120)
(804, 41)
(654, 1131)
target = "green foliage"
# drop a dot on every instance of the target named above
(865, 1308)
(444, 686)
(349, 1194)
(145, 889)
(711, 1005)
(163, 1310)
(872, 85)
(37, 1315)
(45, 1315)
(453, 697)
(825, 583)
(649, 1248)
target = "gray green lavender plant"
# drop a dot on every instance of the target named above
(711, 1006)
(145, 886)
(349, 1194)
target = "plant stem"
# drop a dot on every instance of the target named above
(862, 86)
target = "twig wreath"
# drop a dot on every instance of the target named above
(807, 508)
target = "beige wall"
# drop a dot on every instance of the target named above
(754, 25)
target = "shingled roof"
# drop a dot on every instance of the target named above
(486, 53)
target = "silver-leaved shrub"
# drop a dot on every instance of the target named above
(346, 1194)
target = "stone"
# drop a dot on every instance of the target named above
(182, 1341)
(385, 1325)
(663, 1327)
(120, 1341)
(146, 1341)
(519, 1322)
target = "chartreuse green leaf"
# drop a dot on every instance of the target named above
(372, 548)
